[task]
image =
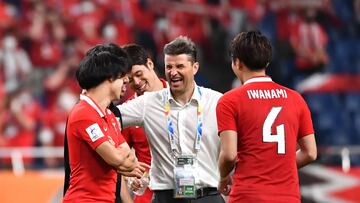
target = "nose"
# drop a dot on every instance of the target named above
(172, 72)
(136, 80)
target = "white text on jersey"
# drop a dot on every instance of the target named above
(267, 94)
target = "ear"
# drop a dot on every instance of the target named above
(110, 79)
(150, 64)
(239, 65)
(195, 67)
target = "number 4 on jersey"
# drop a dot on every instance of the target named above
(279, 137)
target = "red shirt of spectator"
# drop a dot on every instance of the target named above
(7, 16)
(309, 41)
(117, 32)
(45, 54)
(55, 117)
(18, 121)
(142, 16)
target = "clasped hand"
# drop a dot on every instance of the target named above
(138, 171)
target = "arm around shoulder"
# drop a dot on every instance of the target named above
(132, 111)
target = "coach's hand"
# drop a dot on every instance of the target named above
(225, 185)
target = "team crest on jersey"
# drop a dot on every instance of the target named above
(94, 132)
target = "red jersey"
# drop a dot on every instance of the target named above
(268, 119)
(136, 138)
(92, 179)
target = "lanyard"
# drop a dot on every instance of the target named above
(170, 125)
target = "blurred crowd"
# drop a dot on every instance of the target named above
(42, 42)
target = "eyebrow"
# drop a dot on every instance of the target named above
(176, 65)
(138, 71)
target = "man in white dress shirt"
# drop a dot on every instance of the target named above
(180, 124)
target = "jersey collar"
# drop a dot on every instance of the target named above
(258, 79)
(164, 82)
(92, 104)
(195, 97)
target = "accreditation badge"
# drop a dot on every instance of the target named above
(184, 176)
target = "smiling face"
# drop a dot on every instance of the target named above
(142, 78)
(179, 72)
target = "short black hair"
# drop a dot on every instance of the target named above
(99, 64)
(138, 55)
(181, 45)
(252, 48)
(110, 47)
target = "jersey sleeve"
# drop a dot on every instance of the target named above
(306, 126)
(91, 132)
(132, 112)
(225, 115)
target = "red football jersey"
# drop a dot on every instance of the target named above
(92, 179)
(269, 119)
(136, 138)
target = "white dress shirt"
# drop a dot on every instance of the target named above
(148, 111)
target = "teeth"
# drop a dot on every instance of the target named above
(142, 86)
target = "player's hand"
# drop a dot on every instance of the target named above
(136, 184)
(225, 185)
(134, 173)
(138, 171)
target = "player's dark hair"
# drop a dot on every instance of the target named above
(99, 64)
(182, 45)
(138, 55)
(110, 47)
(252, 48)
